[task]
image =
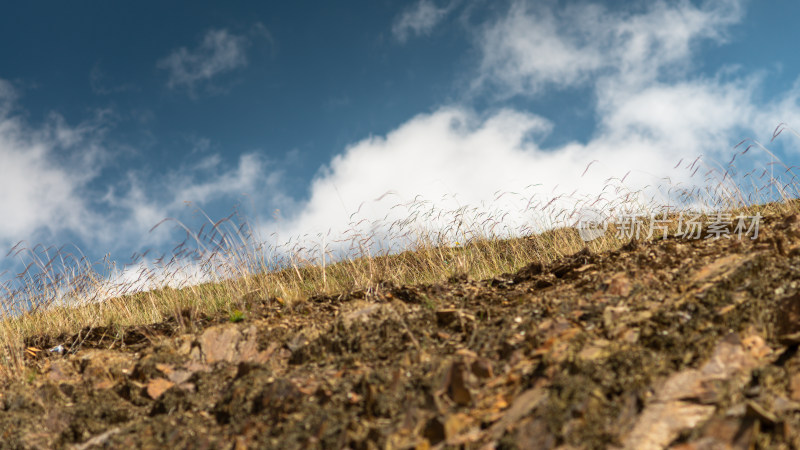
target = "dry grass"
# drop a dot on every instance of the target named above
(60, 293)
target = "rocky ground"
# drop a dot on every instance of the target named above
(685, 344)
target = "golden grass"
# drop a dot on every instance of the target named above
(241, 273)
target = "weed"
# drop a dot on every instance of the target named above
(236, 316)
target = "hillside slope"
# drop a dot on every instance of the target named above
(687, 344)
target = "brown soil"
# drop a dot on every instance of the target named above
(669, 344)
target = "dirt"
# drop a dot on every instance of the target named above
(685, 344)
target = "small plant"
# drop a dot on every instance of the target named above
(30, 376)
(236, 316)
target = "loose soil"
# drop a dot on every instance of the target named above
(685, 344)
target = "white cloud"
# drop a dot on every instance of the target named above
(456, 158)
(143, 276)
(53, 184)
(248, 174)
(144, 199)
(651, 113)
(419, 19)
(42, 173)
(535, 47)
(218, 53)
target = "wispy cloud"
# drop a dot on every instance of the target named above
(100, 85)
(535, 46)
(419, 19)
(7, 96)
(144, 199)
(219, 52)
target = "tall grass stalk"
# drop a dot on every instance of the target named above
(224, 266)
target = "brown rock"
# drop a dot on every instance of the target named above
(105, 365)
(228, 343)
(220, 343)
(60, 371)
(718, 268)
(761, 413)
(104, 383)
(434, 431)
(683, 401)
(732, 433)
(179, 376)
(595, 350)
(456, 384)
(788, 317)
(158, 386)
(794, 386)
(523, 404)
(533, 433)
(362, 314)
(454, 424)
(619, 284)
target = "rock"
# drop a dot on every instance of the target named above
(788, 317)
(762, 414)
(456, 384)
(730, 433)
(523, 404)
(227, 343)
(595, 350)
(362, 314)
(434, 431)
(794, 386)
(102, 368)
(158, 386)
(60, 371)
(619, 284)
(687, 398)
(454, 424)
(533, 433)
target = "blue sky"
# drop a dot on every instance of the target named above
(113, 117)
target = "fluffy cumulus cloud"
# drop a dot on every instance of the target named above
(219, 52)
(53, 203)
(418, 19)
(50, 177)
(653, 112)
